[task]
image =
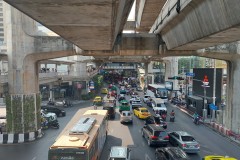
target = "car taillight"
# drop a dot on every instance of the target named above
(154, 137)
(166, 137)
(184, 145)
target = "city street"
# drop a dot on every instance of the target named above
(126, 135)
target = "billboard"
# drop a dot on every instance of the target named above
(197, 88)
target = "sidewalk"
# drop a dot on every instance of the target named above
(214, 126)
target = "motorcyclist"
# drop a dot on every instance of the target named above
(172, 116)
(195, 117)
(172, 113)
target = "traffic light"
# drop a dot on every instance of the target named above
(176, 78)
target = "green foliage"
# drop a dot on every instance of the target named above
(29, 113)
(9, 113)
(98, 82)
(17, 114)
(88, 96)
(38, 107)
(21, 113)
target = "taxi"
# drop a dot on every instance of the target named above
(216, 157)
(142, 112)
(97, 101)
(104, 91)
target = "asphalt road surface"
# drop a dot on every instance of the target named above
(126, 135)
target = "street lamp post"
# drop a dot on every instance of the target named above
(205, 85)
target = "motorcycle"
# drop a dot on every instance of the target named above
(51, 103)
(67, 104)
(44, 124)
(196, 120)
(172, 118)
(164, 117)
(53, 124)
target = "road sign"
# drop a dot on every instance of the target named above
(190, 74)
(213, 107)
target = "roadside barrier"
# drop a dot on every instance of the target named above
(20, 138)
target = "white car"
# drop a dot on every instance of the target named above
(120, 152)
(134, 98)
(49, 115)
(146, 98)
(126, 117)
(159, 107)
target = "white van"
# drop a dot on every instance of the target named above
(126, 117)
(158, 104)
(119, 152)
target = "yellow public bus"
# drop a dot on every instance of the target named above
(215, 157)
(83, 138)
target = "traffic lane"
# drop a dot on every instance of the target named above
(210, 141)
(128, 135)
(38, 150)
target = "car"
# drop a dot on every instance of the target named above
(158, 105)
(110, 107)
(104, 91)
(135, 105)
(146, 98)
(136, 102)
(139, 89)
(155, 135)
(126, 117)
(170, 153)
(185, 141)
(156, 119)
(216, 157)
(142, 112)
(97, 99)
(121, 97)
(119, 153)
(134, 98)
(58, 111)
(123, 91)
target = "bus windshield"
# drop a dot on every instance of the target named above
(162, 92)
(67, 154)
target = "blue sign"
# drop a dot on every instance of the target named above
(213, 107)
(190, 74)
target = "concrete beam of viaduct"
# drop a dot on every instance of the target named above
(198, 24)
(142, 44)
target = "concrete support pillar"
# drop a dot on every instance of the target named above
(171, 70)
(51, 92)
(23, 101)
(80, 69)
(231, 112)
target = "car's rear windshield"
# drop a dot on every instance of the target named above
(187, 138)
(144, 110)
(160, 133)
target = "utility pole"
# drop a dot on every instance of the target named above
(214, 89)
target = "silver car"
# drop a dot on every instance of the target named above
(184, 141)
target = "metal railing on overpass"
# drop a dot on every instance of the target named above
(119, 67)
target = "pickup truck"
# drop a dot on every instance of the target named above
(126, 117)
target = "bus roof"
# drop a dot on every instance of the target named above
(74, 136)
(157, 85)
